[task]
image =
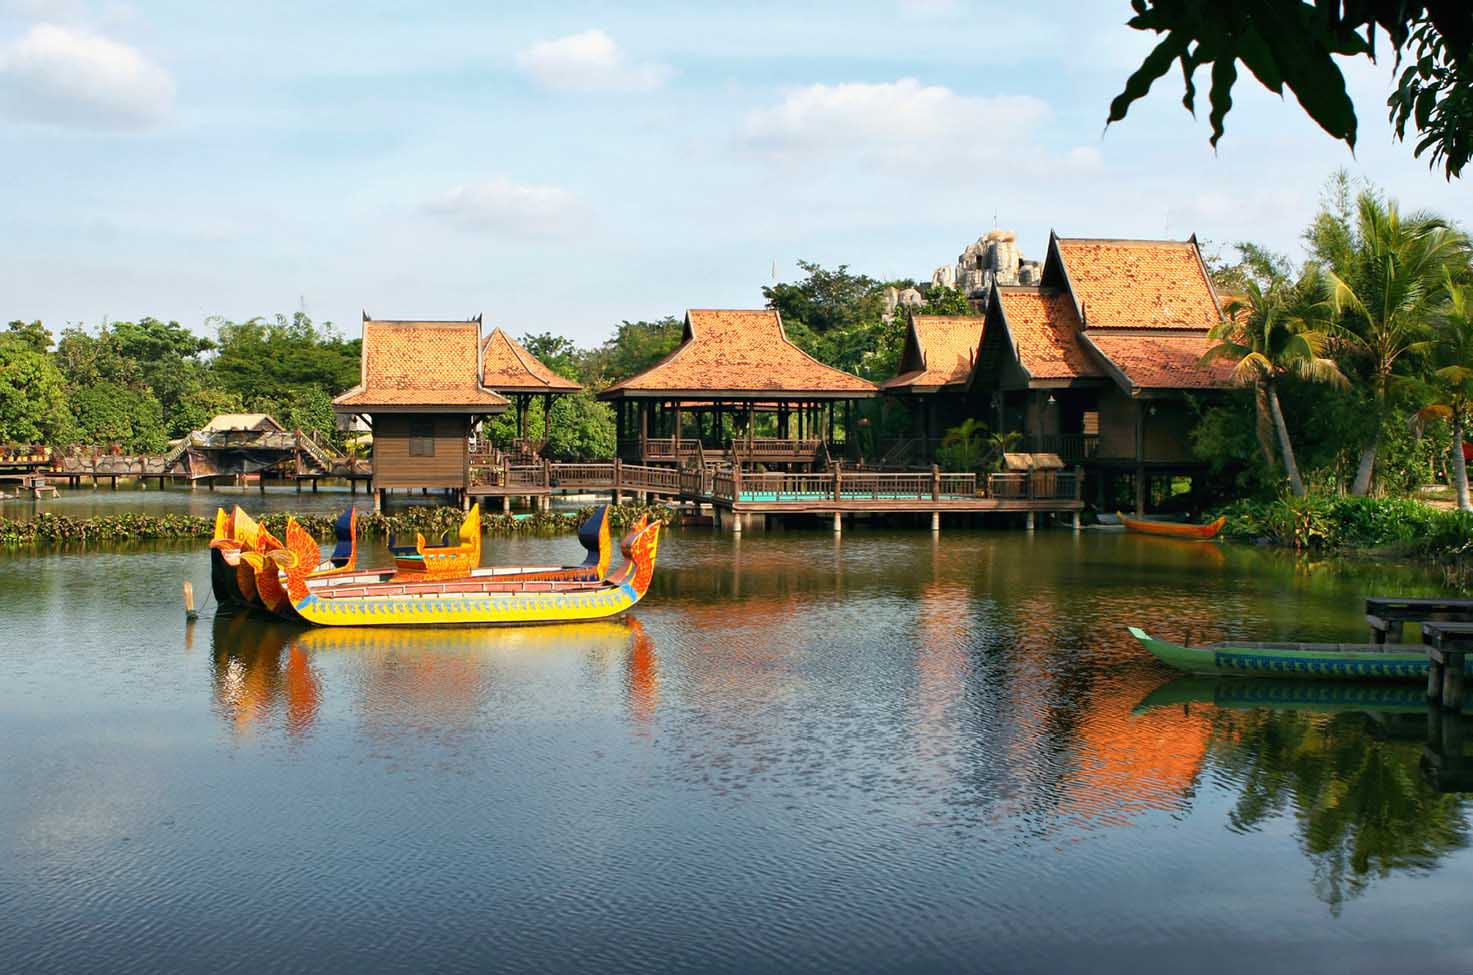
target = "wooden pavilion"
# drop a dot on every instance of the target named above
(736, 388)
(421, 391)
(516, 374)
(1095, 364)
(934, 379)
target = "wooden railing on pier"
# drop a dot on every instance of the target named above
(733, 486)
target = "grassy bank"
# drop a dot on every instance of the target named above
(1391, 526)
(48, 529)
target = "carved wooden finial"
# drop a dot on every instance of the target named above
(366, 317)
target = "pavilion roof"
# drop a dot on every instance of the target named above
(1137, 283)
(507, 367)
(411, 366)
(939, 351)
(739, 354)
(1147, 362)
(243, 422)
(1044, 327)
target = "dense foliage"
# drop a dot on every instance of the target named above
(1294, 44)
(47, 528)
(1325, 522)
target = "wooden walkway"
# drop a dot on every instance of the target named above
(739, 495)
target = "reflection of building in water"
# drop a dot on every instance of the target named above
(250, 681)
(1125, 764)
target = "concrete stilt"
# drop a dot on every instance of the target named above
(935, 521)
(1030, 521)
(506, 504)
(838, 523)
(1077, 525)
(736, 522)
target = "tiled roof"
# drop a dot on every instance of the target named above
(1139, 283)
(740, 352)
(1162, 361)
(431, 364)
(509, 368)
(1045, 329)
(947, 348)
(252, 422)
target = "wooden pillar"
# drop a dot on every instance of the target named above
(935, 521)
(1030, 521)
(546, 417)
(838, 523)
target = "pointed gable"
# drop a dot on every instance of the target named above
(1138, 284)
(507, 367)
(739, 353)
(1044, 328)
(939, 351)
(420, 365)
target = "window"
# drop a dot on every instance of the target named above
(421, 438)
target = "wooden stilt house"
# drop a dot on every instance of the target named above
(422, 392)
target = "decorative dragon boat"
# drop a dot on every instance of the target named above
(1172, 529)
(443, 561)
(1321, 661)
(505, 598)
(239, 569)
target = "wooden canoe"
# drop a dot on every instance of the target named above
(478, 600)
(1172, 529)
(1303, 661)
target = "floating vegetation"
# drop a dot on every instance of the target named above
(48, 528)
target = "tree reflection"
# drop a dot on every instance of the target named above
(1353, 786)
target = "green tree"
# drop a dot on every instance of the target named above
(199, 406)
(35, 335)
(111, 413)
(634, 347)
(1293, 44)
(33, 403)
(582, 428)
(1452, 380)
(1387, 286)
(1271, 334)
(962, 446)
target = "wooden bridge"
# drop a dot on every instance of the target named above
(737, 497)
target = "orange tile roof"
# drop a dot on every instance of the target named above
(947, 347)
(740, 352)
(506, 366)
(1139, 283)
(1045, 330)
(1161, 361)
(429, 364)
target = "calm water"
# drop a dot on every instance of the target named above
(885, 752)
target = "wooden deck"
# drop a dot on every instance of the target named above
(838, 493)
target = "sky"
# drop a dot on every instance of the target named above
(564, 167)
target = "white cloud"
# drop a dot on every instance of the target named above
(591, 63)
(501, 207)
(68, 77)
(902, 123)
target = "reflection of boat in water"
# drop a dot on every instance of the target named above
(1173, 529)
(251, 679)
(1330, 661)
(598, 635)
(1245, 693)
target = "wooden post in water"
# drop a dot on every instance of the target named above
(1030, 521)
(838, 523)
(936, 521)
(189, 611)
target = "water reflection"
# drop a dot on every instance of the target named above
(1341, 759)
(250, 680)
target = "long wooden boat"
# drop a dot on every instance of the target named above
(1172, 529)
(480, 600)
(1326, 661)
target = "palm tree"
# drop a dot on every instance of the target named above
(1272, 334)
(1387, 290)
(1453, 379)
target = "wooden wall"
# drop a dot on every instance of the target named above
(394, 467)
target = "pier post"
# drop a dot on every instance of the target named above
(935, 521)
(1452, 682)
(1077, 526)
(838, 523)
(506, 504)
(378, 499)
(736, 522)
(1030, 521)
(314, 485)
(299, 485)
(1434, 680)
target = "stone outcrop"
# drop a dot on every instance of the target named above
(896, 299)
(993, 257)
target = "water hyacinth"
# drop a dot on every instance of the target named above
(50, 529)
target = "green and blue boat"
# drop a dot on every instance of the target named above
(1304, 661)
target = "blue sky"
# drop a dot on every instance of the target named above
(562, 167)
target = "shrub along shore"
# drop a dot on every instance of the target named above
(49, 529)
(1395, 527)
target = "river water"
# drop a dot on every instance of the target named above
(883, 752)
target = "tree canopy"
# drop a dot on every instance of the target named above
(1293, 44)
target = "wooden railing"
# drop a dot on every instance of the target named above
(1071, 447)
(890, 486)
(668, 448)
